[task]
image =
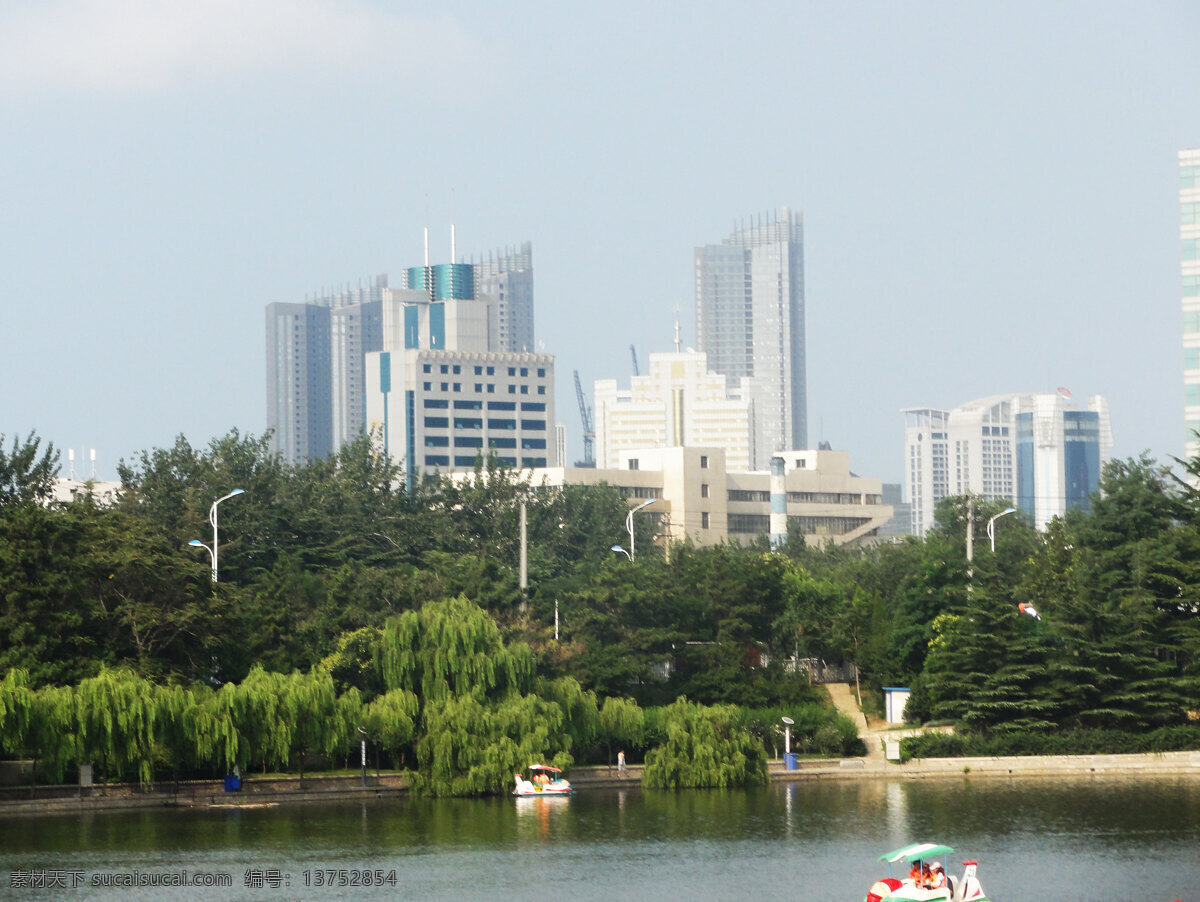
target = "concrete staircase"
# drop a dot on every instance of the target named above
(845, 701)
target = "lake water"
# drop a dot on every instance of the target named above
(1087, 839)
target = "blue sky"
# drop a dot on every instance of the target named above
(990, 193)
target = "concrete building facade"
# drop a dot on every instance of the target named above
(698, 497)
(750, 322)
(678, 402)
(438, 397)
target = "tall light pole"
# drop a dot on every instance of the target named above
(991, 526)
(212, 518)
(629, 526)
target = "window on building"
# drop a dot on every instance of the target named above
(468, 422)
(704, 519)
(703, 461)
(633, 463)
(469, 404)
(437, 422)
(536, 425)
(445, 369)
(438, 403)
(437, 441)
(704, 490)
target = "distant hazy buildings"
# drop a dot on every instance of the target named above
(698, 497)
(1189, 261)
(677, 403)
(505, 281)
(750, 322)
(315, 352)
(439, 395)
(1032, 450)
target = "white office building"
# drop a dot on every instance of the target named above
(677, 403)
(438, 398)
(1189, 263)
(1033, 451)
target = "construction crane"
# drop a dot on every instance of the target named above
(633, 353)
(589, 434)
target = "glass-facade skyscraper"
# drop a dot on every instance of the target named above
(750, 323)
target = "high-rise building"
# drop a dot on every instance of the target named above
(1189, 263)
(438, 396)
(750, 322)
(505, 280)
(299, 403)
(678, 403)
(316, 388)
(1031, 450)
(315, 350)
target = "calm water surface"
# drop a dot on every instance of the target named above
(1069, 839)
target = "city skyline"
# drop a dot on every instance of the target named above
(971, 224)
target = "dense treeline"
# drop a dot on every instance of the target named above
(330, 567)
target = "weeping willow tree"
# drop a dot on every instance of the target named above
(621, 721)
(452, 647)
(704, 747)
(261, 717)
(391, 720)
(310, 705)
(473, 747)
(212, 726)
(53, 737)
(117, 712)
(579, 708)
(16, 710)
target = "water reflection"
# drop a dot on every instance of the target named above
(1085, 839)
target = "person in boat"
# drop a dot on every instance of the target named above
(926, 880)
(914, 873)
(938, 876)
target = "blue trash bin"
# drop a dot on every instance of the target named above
(233, 783)
(791, 761)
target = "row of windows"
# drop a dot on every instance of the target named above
(477, 423)
(473, 404)
(491, 389)
(456, 370)
(1189, 177)
(460, 460)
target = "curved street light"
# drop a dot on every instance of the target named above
(212, 518)
(629, 527)
(991, 525)
(619, 550)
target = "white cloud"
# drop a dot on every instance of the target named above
(119, 47)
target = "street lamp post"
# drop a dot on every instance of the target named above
(619, 550)
(629, 525)
(991, 525)
(212, 518)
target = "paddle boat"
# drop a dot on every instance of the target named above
(890, 889)
(546, 782)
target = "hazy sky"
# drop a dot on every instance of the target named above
(990, 195)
